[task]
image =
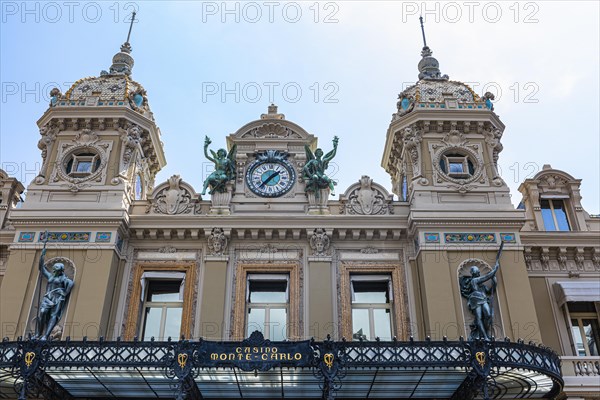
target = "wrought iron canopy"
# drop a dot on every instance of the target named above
(257, 367)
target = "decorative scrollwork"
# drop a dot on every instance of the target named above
(173, 197)
(367, 198)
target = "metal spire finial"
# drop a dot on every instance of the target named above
(122, 61)
(429, 68)
(422, 31)
(131, 26)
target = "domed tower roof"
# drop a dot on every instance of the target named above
(434, 90)
(113, 88)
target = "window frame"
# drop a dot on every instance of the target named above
(399, 314)
(163, 305)
(565, 205)
(76, 158)
(580, 316)
(134, 305)
(256, 277)
(239, 326)
(389, 305)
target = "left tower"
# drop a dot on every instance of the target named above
(101, 150)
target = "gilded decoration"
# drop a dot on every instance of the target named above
(133, 316)
(401, 320)
(294, 332)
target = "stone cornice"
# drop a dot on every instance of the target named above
(560, 239)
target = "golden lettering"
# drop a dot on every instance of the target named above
(264, 357)
(214, 356)
(238, 350)
(298, 356)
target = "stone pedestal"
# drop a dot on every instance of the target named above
(221, 202)
(317, 202)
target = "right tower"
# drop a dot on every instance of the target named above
(441, 152)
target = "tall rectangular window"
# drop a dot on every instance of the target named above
(371, 307)
(163, 307)
(585, 331)
(554, 215)
(267, 305)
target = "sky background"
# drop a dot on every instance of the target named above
(335, 68)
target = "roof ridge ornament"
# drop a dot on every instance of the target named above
(122, 62)
(429, 67)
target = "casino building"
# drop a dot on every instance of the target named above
(265, 290)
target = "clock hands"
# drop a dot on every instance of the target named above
(269, 179)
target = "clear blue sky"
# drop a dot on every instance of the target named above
(350, 59)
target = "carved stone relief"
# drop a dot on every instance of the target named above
(455, 143)
(319, 242)
(49, 133)
(366, 198)
(272, 130)
(85, 141)
(131, 136)
(217, 242)
(174, 197)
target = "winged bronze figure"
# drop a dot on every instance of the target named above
(224, 168)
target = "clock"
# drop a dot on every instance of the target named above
(270, 175)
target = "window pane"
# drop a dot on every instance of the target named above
(268, 291)
(84, 166)
(152, 323)
(256, 320)
(163, 290)
(360, 324)
(456, 168)
(581, 307)
(547, 216)
(577, 340)
(173, 322)
(561, 215)
(590, 327)
(278, 324)
(370, 292)
(382, 321)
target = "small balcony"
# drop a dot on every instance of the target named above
(581, 376)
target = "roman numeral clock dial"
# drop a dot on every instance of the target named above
(270, 175)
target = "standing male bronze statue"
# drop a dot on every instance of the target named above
(480, 299)
(54, 302)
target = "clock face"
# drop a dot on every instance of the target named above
(270, 178)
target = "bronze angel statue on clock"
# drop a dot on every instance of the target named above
(315, 167)
(224, 168)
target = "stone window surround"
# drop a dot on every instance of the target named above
(133, 316)
(400, 313)
(239, 309)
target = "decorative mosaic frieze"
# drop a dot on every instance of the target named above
(103, 237)
(73, 237)
(25, 237)
(508, 237)
(432, 237)
(470, 237)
